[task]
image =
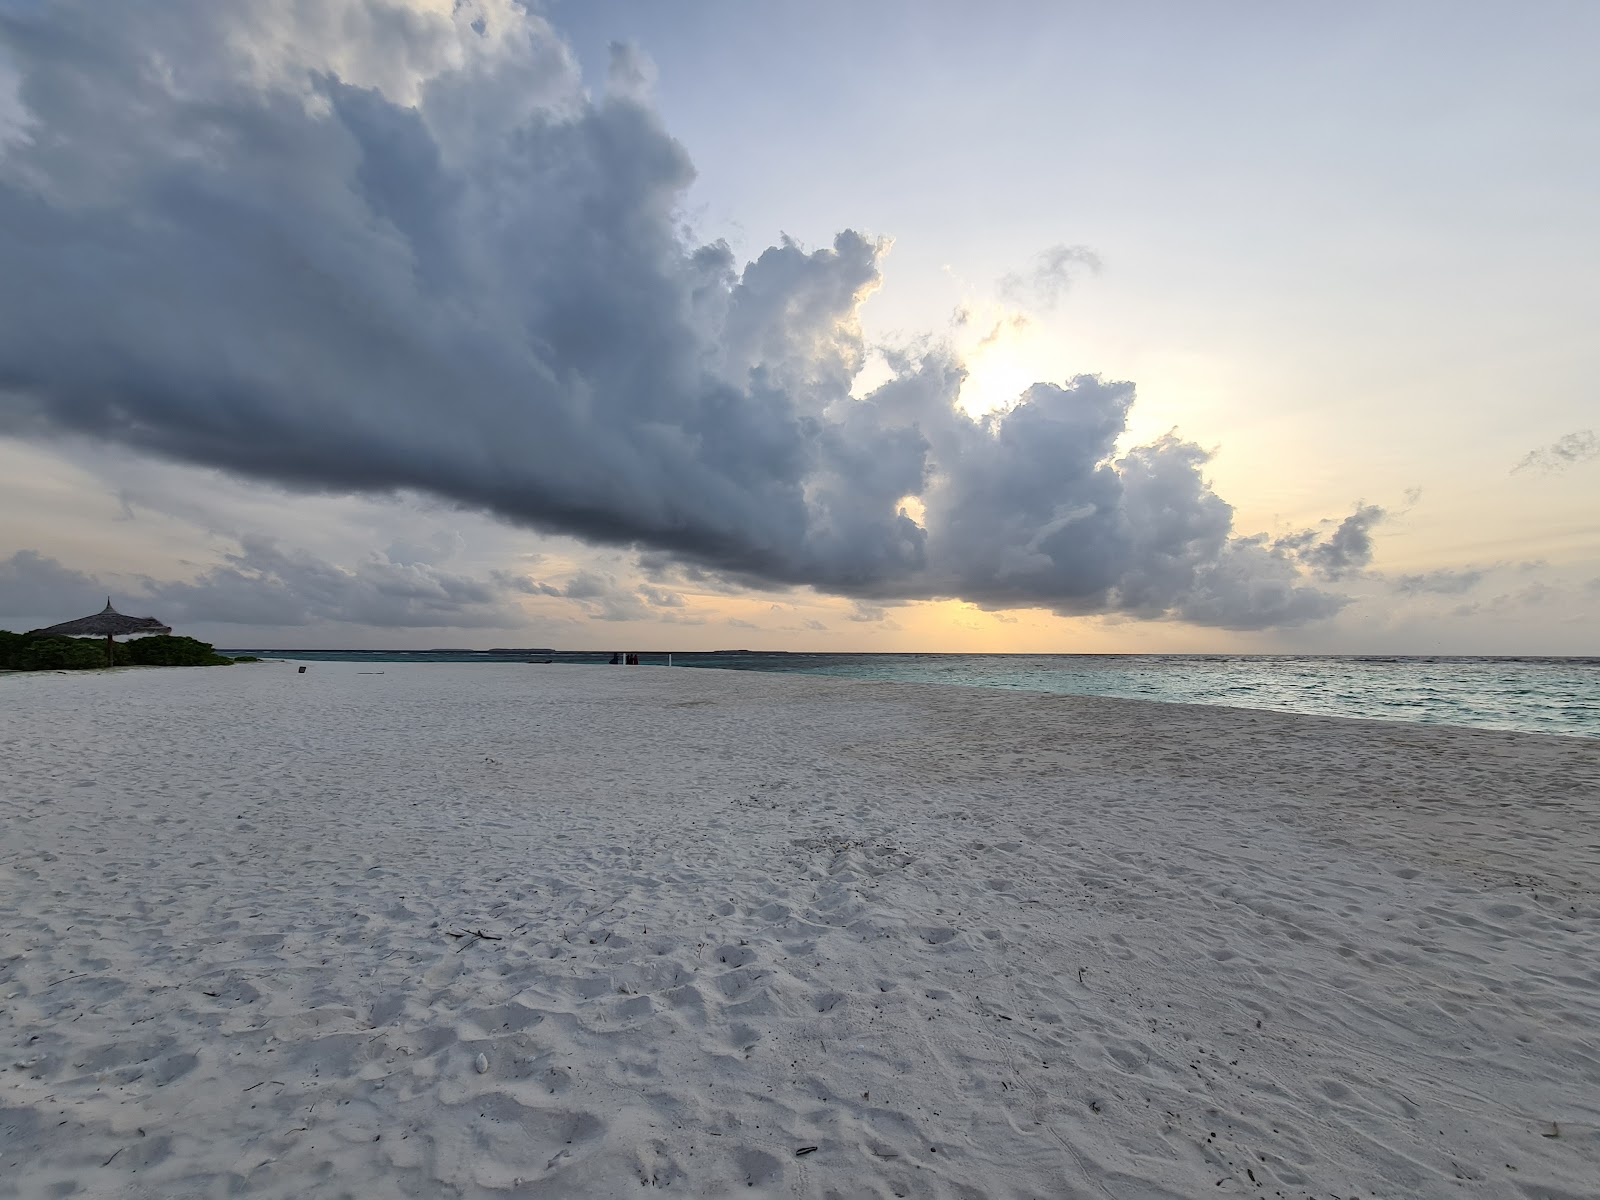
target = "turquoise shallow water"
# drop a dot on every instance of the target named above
(1531, 695)
(1535, 695)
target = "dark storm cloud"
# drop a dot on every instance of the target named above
(353, 246)
(1567, 450)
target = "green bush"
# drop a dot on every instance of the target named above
(33, 652)
(60, 654)
(10, 647)
(164, 650)
(246, 658)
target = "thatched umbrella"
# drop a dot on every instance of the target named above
(107, 623)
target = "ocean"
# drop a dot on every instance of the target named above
(1531, 695)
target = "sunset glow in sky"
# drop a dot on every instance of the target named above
(1022, 327)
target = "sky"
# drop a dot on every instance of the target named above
(1024, 327)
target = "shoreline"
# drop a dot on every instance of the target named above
(999, 944)
(1380, 723)
(1519, 693)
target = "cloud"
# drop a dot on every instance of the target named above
(1568, 450)
(1345, 551)
(443, 545)
(264, 585)
(1008, 324)
(521, 583)
(365, 246)
(603, 598)
(588, 585)
(1251, 585)
(629, 72)
(1054, 270)
(872, 614)
(14, 121)
(1443, 582)
(660, 597)
(33, 587)
(1534, 595)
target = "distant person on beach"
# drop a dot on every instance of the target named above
(614, 660)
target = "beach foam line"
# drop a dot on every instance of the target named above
(563, 931)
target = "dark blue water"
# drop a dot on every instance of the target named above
(1535, 695)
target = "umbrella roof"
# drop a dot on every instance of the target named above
(108, 622)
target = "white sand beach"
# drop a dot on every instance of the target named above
(557, 931)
